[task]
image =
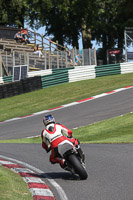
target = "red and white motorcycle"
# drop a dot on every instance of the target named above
(74, 157)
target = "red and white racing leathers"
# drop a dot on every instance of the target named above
(52, 135)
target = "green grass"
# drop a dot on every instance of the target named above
(115, 130)
(23, 140)
(12, 186)
(55, 96)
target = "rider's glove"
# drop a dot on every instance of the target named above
(48, 150)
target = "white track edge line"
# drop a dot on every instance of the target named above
(58, 188)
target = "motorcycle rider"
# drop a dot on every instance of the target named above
(52, 136)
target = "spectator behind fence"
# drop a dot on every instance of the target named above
(69, 56)
(18, 37)
(37, 50)
(25, 36)
(77, 61)
(21, 37)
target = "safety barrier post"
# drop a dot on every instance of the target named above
(66, 59)
(89, 56)
(45, 60)
(0, 65)
(57, 60)
(49, 59)
(95, 57)
(42, 41)
(82, 57)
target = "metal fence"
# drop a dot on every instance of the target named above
(48, 59)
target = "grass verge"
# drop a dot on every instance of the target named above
(115, 130)
(12, 186)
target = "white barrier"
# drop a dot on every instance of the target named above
(82, 73)
(40, 73)
(1, 80)
(126, 67)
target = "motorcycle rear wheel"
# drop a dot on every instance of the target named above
(79, 169)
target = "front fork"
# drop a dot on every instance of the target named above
(81, 153)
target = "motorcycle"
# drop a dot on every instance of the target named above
(74, 157)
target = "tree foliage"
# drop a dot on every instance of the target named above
(111, 19)
(12, 12)
(66, 20)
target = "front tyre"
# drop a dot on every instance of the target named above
(79, 169)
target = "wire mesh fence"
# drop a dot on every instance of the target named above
(48, 59)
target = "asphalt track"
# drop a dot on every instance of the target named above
(110, 166)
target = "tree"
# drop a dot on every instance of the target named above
(12, 13)
(63, 19)
(109, 24)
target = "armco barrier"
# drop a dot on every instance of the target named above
(47, 72)
(82, 73)
(62, 70)
(47, 78)
(5, 79)
(58, 76)
(54, 79)
(107, 70)
(1, 80)
(126, 67)
(39, 73)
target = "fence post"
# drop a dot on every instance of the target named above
(0, 65)
(125, 45)
(45, 57)
(25, 58)
(83, 57)
(49, 59)
(89, 56)
(57, 60)
(6, 62)
(73, 56)
(95, 57)
(42, 42)
(13, 59)
(66, 59)
(28, 60)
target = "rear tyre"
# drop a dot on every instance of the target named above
(79, 169)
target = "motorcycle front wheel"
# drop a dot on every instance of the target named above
(79, 169)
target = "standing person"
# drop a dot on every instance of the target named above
(69, 56)
(77, 59)
(52, 136)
